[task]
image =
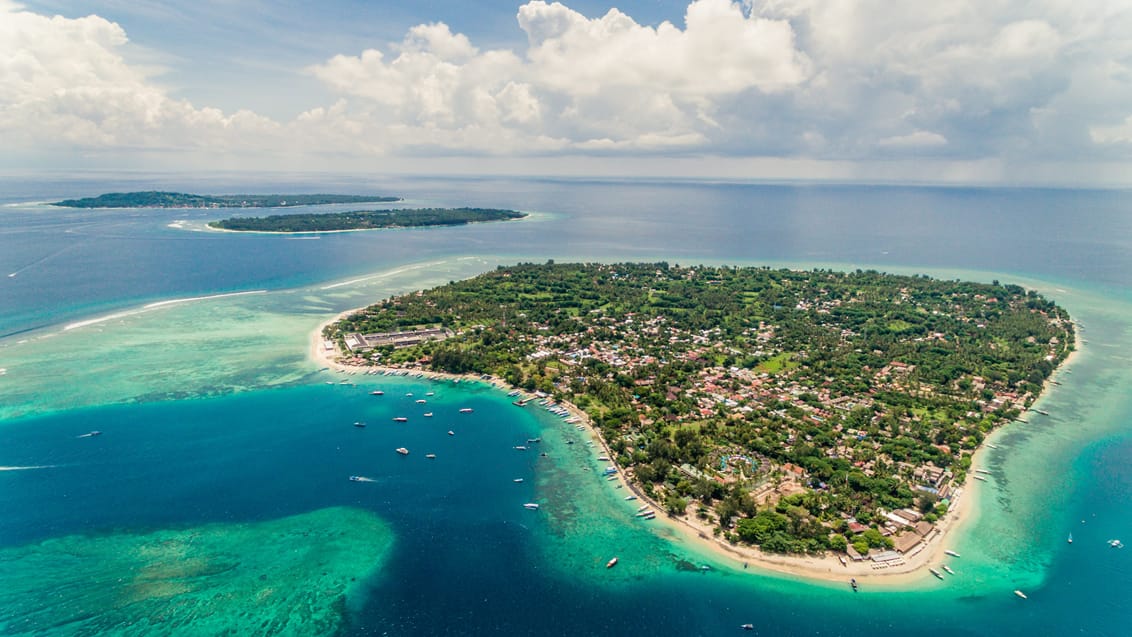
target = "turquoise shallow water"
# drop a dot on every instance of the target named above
(213, 419)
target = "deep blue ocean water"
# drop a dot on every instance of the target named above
(468, 558)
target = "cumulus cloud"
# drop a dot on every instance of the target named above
(836, 80)
(65, 83)
(589, 83)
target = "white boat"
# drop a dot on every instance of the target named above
(377, 392)
(642, 508)
(936, 573)
(400, 419)
(428, 414)
(421, 401)
(1020, 594)
(1070, 540)
(1116, 544)
(451, 433)
(403, 451)
(466, 410)
(611, 563)
(951, 553)
(519, 448)
(517, 480)
(948, 569)
(531, 506)
(979, 477)
(630, 497)
(430, 456)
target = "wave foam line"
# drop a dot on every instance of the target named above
(382, 275)
(150, 306)
(153, 306)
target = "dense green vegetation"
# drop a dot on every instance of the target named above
(367, 220)
(159, 199)
(795, 410)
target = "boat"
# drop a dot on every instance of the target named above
(1070, 540)
(979, 477)
(531, 506)
(421, 401)
(936, 573)
(466, 410)
(517, 480)
(951, 553)
(519, 448)
(611, 563)
(948, 569)
(747, 626)
(428, 414)
(533, 440)
(451, 433)
(355, 478)
(1042, 412)
(630, 497)
(360, 425)
(431, 393)
(377, 392)
(403, 451)
(992, 446)
(400, 419)
(853, 583)
(603, 458)
(1116, 544)
(91, 434)
(430, 456)
(642, 508)
(409, 394)
(1020, 594)
(982, 471)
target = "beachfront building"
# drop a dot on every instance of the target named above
(364, 342)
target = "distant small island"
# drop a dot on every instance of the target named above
(366, 220)
(160, 199)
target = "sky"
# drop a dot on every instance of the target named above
(1016, 92)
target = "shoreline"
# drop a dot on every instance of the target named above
(692, 532)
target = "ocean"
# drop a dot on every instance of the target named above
(216, 495)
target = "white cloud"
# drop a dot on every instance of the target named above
(63, 82)
(972, 81)
(916, 139)
(596, 83)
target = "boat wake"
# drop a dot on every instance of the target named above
(28, 468)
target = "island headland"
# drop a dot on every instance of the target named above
(817, 423)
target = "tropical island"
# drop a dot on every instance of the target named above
(800, 412)
(366, 220)
(160, 199)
